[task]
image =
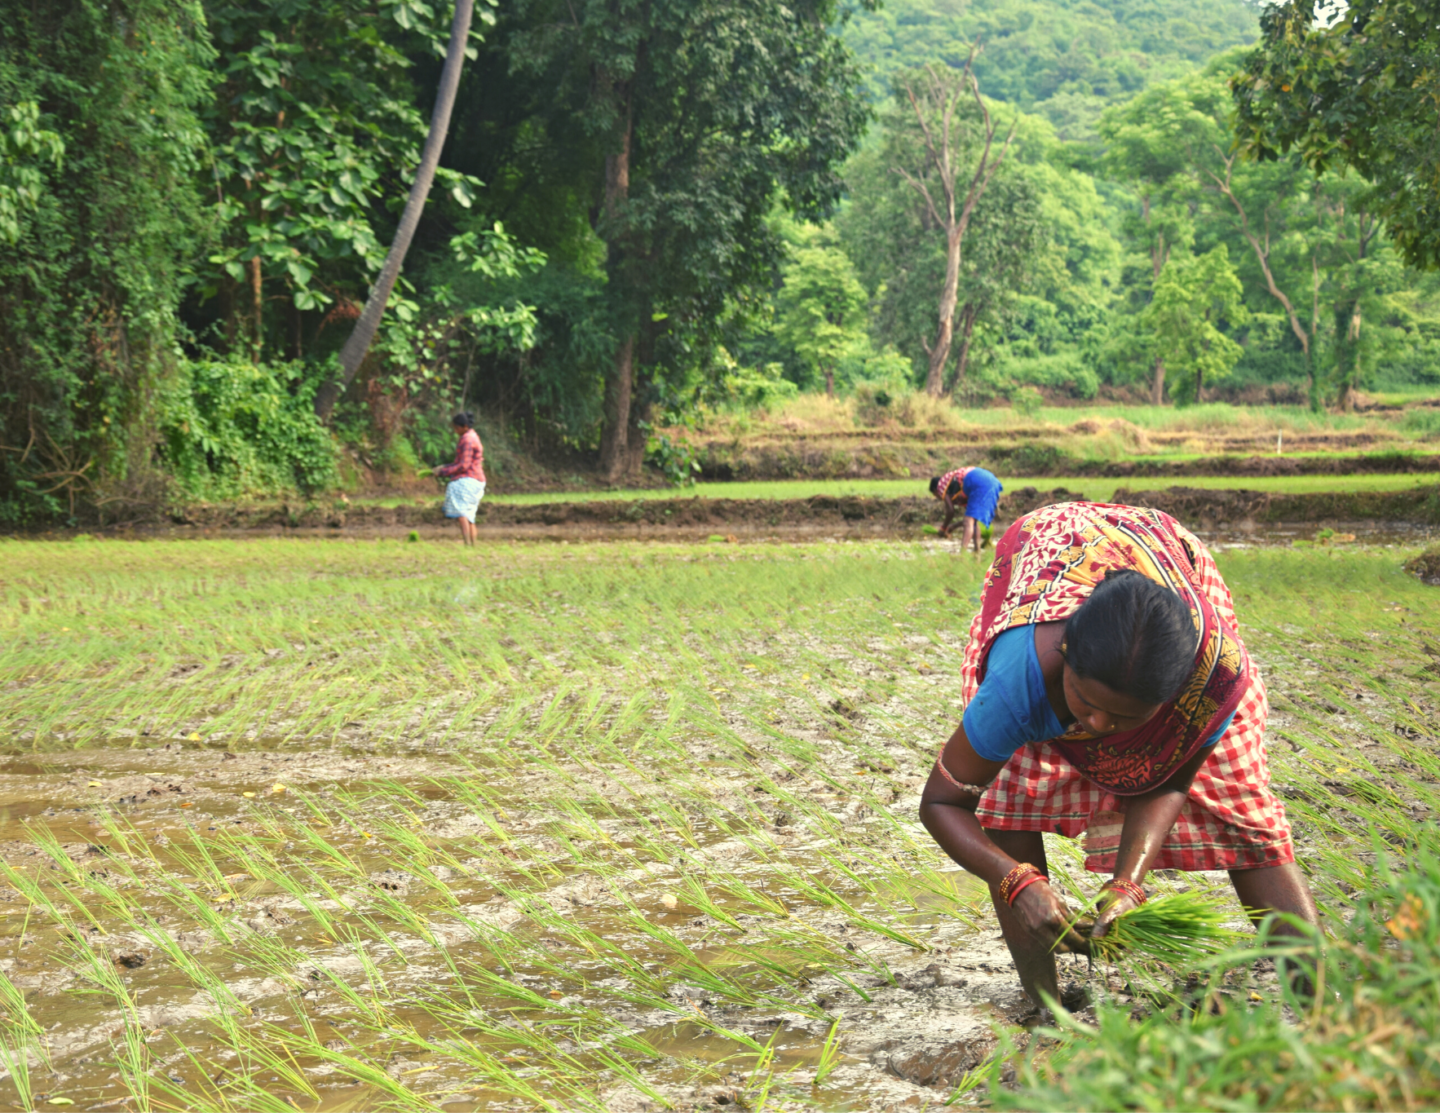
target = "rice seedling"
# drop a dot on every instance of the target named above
(15, 1058)
(512, 862)
(1182, 930)
(830, 1054)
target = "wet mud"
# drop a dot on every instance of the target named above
(704, 518)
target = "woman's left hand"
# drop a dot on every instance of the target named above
(1113, 905)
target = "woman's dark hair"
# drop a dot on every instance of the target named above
(934, 484)
(464, 420)
(1133, 635)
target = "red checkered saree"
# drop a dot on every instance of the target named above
(1048, 563)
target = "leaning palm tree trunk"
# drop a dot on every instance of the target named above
(355, 348)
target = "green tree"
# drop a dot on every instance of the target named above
(1059, 59)
(1353, 85)
(1038, 247)
(1175, 137)
(694, 119)
(95, 264)
(358, 343)
(314, 128)
(821, 305)
(1194, 295)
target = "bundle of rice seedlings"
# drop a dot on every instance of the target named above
(1178, 929)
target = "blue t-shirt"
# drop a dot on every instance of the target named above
(1011, 707)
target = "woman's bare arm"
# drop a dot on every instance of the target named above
(1148, 820)
(948, 812)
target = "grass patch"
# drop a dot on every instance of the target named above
(1366, 1042)
(1095, 489)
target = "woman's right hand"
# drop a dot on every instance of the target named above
(1045, 916)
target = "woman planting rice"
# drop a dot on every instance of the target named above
(973, 492)
(467, 477)
(1106, 692)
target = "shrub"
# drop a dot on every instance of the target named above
(874, 405)
(1423, 421)
(233, 428)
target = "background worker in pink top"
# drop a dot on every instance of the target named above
(466, 475)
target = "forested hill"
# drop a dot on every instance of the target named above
(1067, 59)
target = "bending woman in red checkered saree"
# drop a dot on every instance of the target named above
(1107, 692)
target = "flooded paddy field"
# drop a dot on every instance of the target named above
(361, 824)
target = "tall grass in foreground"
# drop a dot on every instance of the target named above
(1366, 1041)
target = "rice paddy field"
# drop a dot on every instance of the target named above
(360, 824)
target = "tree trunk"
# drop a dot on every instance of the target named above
(1157, 383)
(1350, 377)
(967, 330)
(939, 156)
(829, 382)
(940, 351)
(257, 311)
(615, 436)
(619, 384)
(1199, 386)
(635, 440)
(353, 353)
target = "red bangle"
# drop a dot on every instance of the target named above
(1022, 875)
(1128, 888)
(1022, 883)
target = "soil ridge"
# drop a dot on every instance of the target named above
(1200, 507)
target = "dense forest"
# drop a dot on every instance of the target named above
(647, 209)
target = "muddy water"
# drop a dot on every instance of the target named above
(109, 808)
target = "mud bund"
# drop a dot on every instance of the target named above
(682, 517)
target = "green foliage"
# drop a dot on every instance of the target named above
(1353, 85)
(96, 258)
(692, 93)
(314, 127)
(675, 458)
(1382, 974)
(233, 428)
(749, 388)
(23, 145)
(1009, 246)
(1193, 296)
(821, 306)
(1059, 58)
(424, 342)
(1016, 372)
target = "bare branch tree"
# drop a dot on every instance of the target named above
(936, 112)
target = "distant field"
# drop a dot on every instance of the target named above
(1097, 489)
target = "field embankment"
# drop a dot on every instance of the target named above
(816, 438)
(681, 517)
